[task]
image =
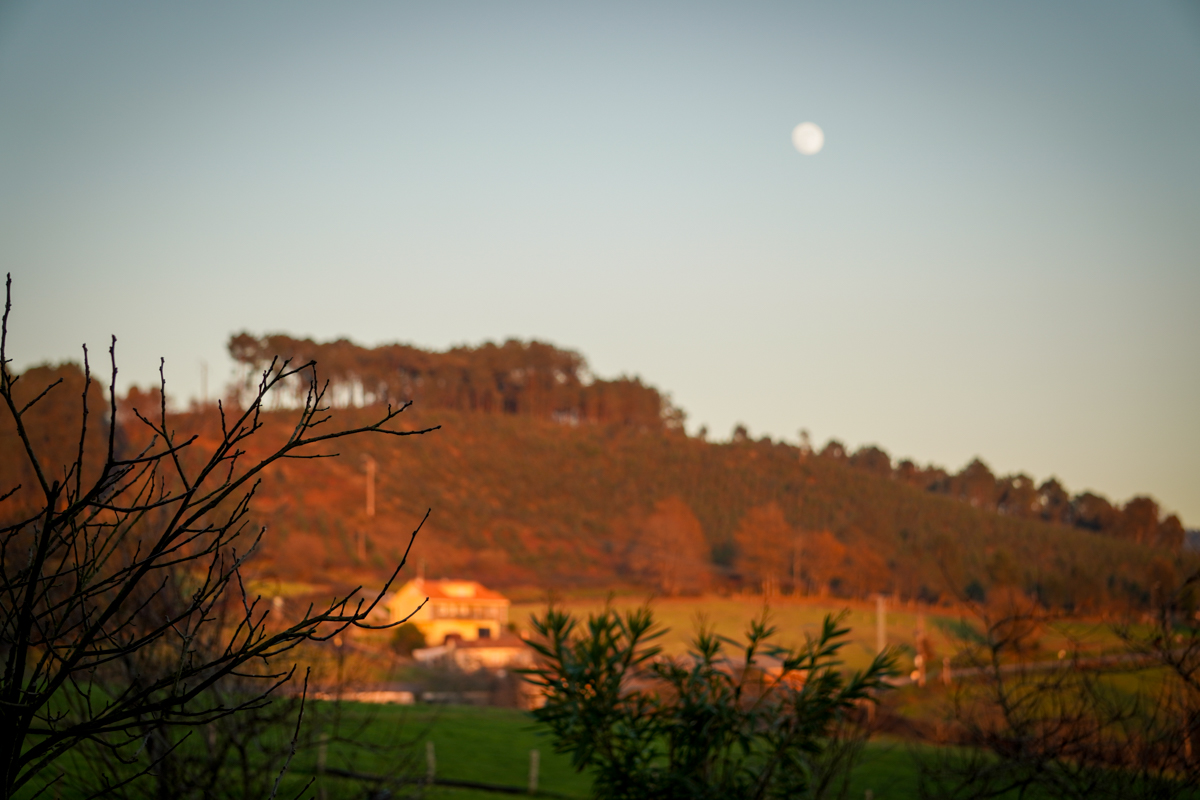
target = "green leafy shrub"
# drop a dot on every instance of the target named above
(702, 726)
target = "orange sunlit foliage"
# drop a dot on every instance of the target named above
(671, 552)
(823, 560)
(766, 548)
(53, 427)
(521, 499)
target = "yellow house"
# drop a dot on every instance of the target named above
(465, 609)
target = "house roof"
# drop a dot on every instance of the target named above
(446, 589)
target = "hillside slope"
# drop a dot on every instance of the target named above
(528, 502)
(524, 495)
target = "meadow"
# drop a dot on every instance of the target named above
(478, 744)
(798, 618)
(491, 745)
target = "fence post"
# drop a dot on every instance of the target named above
(430, 762)
(534, 758)
(322, 755)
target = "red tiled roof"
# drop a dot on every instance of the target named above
(445, 590)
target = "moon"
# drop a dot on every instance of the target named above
(808, 138)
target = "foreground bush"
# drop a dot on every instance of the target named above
(702, 726)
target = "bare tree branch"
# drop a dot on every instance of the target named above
(141, 559)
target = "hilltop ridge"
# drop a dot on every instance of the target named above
(544, 476)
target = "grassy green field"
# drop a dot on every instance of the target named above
(491, 745)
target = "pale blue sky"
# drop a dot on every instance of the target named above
(997, 253)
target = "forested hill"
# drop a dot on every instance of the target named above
(529, 379)
(538, 478)
(528, 502)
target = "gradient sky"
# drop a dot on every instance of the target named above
(997, 253)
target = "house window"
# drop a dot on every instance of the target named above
(485, 633)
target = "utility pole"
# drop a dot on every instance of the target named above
(796, 566)
(370, 486)
(362, 532)
(922, 649)
(880, 623)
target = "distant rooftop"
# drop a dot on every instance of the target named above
(446, 589)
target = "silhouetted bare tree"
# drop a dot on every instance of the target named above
(122, 599)
(1084, 724)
